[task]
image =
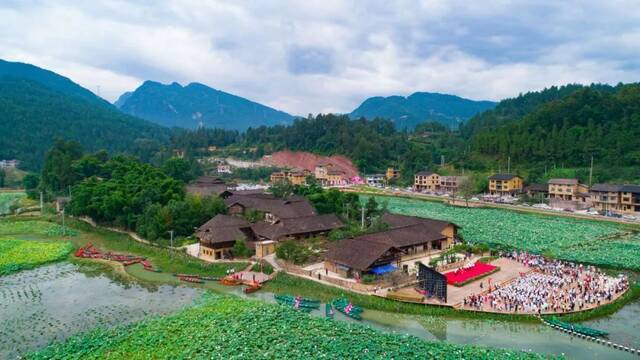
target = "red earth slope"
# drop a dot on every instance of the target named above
(306, 160)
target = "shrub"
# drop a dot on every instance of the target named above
(240, 249)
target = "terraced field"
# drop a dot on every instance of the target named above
(599, 243)
(225, 327)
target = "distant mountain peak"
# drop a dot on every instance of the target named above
(419, 107)
(189, 106)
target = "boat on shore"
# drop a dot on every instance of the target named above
(346, 307)
(297, 302)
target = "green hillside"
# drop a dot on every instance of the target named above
(420, 107)
(33, 115)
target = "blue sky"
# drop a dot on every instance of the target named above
(321, 56)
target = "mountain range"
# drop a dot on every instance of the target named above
(419, 107)
(39, 106)
(197, 104)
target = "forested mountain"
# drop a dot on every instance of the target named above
(407, 112)
(49, 79)
(32, 115)
(598, 120)
(195, 104)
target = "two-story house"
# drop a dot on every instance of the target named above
(616, 198)
(505, 184)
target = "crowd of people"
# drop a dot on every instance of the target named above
(554, 286)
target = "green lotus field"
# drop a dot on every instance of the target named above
(595, 242)
(226, 327)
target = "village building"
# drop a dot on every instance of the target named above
(218, 235)
(426, 180)
(620, 199)
(408, 238)
(224, 169)
(392, 173)
(505, 184)
(282, 219)
(9, 164)
(566, 189)
(336, 177)
(537, 191)
(375, 179)
(321, 171)
(451, 184)
(209, 186)
(295, 177)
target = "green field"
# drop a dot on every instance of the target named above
(226, 327)
(562, 237)
(7, 199)
(16, 255)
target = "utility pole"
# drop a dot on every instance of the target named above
(171, 239)
(509, 165)
(362, 217)
(441, 160)
(63, 229)
(41, 202)
(591, 172)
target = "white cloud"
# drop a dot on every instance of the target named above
(343, 51)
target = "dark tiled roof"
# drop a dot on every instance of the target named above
(357, 254)
(425, 173)
(207, 190)
(295, 206)
(563, 181)
(537, 187)
(297, 226)
(362, 251)
(396, 221)
(616, 188)
(502, 177)
(221, 229)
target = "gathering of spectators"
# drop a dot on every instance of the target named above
(554, 286)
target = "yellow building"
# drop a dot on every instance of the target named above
(277, 177)
(392, 173)
(297, 177)
(426, 180)
(621, 199)
(505, 184)
(566, 189)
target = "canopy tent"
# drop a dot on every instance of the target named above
(382, 269)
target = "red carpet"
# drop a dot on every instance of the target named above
(465, 274)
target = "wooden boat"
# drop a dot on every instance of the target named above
(252, 288)
(187, 275)
(209, 278)
(346, 307)
(191, 280)
(298, 301)
(152, 269)
(328, 311)
(230, 281)
(130, 262)
(580, 329)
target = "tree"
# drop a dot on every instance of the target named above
(181, 169)
(467, 189)
(240, 249)
(282, 189)
(3, 175)
(57, 172)
(30, 183)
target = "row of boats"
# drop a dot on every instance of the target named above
(343, 305)
(91, 252)
(580, 329)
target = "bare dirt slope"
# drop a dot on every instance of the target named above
(306, 160)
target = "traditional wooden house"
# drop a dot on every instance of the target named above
(209, 186)
(505, 184)
(409, 238)
(272, 207)
(294, 228)
(218, 235)
(538, 191)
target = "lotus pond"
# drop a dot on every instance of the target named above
(225, 327)
(563, 237)
(16, 255)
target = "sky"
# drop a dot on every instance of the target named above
(328, 56)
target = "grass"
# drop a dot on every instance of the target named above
(226, 327)
(16, 254)
(289, 284)
(168, 260)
